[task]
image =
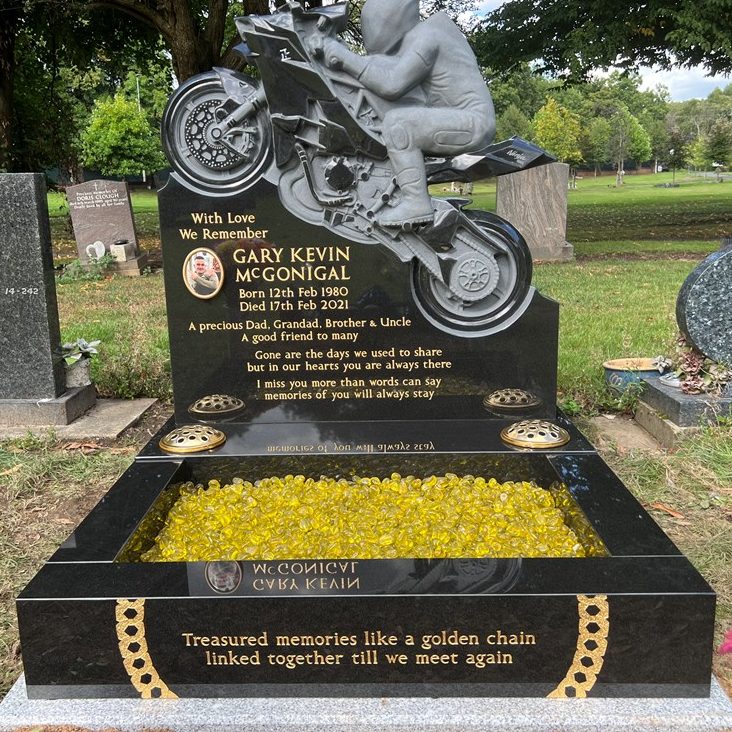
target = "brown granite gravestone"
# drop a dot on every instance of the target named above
(535, 202)
(102, 217)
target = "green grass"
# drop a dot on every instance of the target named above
(699, 209)
(128, 315)
(610, 309)
(612, 306)
(689, 493)
(603, 220)
(645, 249)
(45, 489)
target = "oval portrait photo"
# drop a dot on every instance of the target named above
(203, 274)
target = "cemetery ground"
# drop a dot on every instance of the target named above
(635, 245)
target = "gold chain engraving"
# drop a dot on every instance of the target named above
(130, 615)
(594, 625)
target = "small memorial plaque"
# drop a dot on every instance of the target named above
(102, 216)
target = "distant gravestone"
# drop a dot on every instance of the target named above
(103, 224)
(535, 202)
(704, 306)
(32, 383)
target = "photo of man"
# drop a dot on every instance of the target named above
(203, 274)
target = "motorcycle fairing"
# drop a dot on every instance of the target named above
(291, 95)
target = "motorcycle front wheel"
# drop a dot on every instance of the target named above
(488, 286)
(206, 164)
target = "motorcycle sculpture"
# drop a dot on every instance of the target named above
(316, 132)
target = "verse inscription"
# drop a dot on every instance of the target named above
(368, 647)
(298, 300)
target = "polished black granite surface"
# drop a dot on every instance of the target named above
(312, 627)
(383, 437)
(351, 346)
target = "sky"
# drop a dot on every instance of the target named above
(682, 84)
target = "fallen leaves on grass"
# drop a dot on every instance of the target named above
(84, 447)
(666, 509)
(122, 450)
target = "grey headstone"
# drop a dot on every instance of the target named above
(685, 410)
(704, 306)
(31, 366)
(535, 202)
(102, 215)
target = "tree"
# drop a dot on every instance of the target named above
(718, 144)
(119, 140)
(678, 151)
(10, 16)
(520, 87)
(513, 122)
(696, 154)
(199, 34)
(658, 136)
(628, 140)
(558, 130)
(573, 37)
(597, 142)
(640, 148)
(45, 47)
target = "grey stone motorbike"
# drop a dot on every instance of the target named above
(315, 132)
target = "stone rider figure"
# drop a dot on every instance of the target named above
(431, 58)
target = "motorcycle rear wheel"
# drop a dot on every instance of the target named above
(206, 164)
(488, 287)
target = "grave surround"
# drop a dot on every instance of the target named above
(335, 347)
(117, 627)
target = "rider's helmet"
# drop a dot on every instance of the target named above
(385, 22)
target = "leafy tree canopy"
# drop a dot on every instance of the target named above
(513, 122)
(520, 88)
(570, 38)
(558, 130)
(119, 139)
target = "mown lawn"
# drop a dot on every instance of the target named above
(609, 309)
(639, 210)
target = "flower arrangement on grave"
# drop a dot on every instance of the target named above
(77, 356)
(697, 373)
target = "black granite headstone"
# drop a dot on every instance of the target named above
(704, 306)
(31, 366)
(304, 325)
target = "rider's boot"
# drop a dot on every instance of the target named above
(415, 206)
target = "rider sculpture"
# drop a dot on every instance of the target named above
(350, 141)
(430, 63)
